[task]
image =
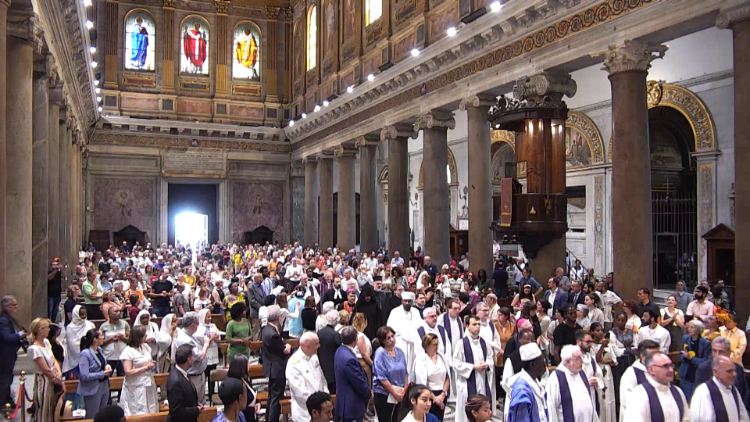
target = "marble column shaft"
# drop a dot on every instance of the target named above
(40, 192)
(435, 127)
(53, 170)
(325, 225)
(368, 223)
(311, 217)
(3, 83)
(398, 189)
(631, 167)
(480, 185)
(63, 236)
(346, 233)
(19, 174)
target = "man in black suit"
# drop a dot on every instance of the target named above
(335, 294)
(576, 296)
(329, 343)
(183, 399)
(274, 353)
(11, 340)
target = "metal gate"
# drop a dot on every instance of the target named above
(675, 227)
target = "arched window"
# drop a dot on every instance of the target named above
(247, 45)
(140, 41)
(312, 38)
(373, 10)
(194, 46)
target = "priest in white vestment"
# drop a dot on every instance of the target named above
(454, 327)
(405, 320)
(430, 326)
(591, 368)
(569, 394)
(717, 399)
(487, 329)
(472, 361)
(657, 400)
(635, 375)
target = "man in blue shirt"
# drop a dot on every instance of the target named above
(528, 279)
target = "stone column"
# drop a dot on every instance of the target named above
(53, 171)
(40, 186)
(738, 19)
(311, 217)
(480, 181)
(4, 4)
(64, 197)
(627, 65)
(325, 225)
(368, 216)
(346, 223)
(435, 126)
(398, 189)
(24, 34)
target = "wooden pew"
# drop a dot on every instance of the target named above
(207, 415)
(115, 383)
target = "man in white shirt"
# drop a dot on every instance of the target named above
(294, 272)
(464, 261)
(397, 260)
(717, 399)
(657, 394)
(651, 330)
(372, 262)
(569, 389)
(609, 301)
(304, 375)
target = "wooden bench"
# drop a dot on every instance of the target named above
(115, 383)
(208, 414)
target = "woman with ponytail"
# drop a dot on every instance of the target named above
(478, 408)
(94, 373)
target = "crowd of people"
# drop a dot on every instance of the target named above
(379, 335)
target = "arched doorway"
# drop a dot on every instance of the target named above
(673, 197)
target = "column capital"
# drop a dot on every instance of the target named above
(5, 3)
(324, 156)
(478, 100)
(737, 11)
(24, 24)
(631, 55)
(297, 169)
(222, 7)
(312, 159)
(435, 120)
(367, 141)
(399, 130)
(546, 84)
(344, 152)
(169, 4)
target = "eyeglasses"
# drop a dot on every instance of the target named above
(664, 366)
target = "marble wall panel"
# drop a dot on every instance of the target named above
(255, 205)
(119, 202)
(139, 103)
(298, 208)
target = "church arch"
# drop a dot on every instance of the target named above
(580, 127)
(451, 170)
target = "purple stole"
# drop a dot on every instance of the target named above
(447, 324)
(566, 399)
(471, 382)
(640, 376)
(440, 329)
(719, 408)
(596, 395)
(657, 413)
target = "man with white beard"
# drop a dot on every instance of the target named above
(430, 326)
(405, 320)
(568, 391)
(472, 362)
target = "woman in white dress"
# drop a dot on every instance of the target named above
(363, 351)
(152, 331)
(432, 370)
(138, 395)
(606, 359)
(74, 332)
(206, 327)
(49, 374)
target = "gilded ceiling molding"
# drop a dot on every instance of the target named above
(690, 106)
(631, 55)
(585, 125)
(171, 142)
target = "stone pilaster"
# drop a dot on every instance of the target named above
(168, 50)
(311, 216)
(53, 170)
(737, 17)
(222, 48)
(436, 196)
(346, 223)
(632, 235)
(325, 219)
(111, 61)
(480, 181)
(4, 4)
(398, 189)
(368, 218)
(40, 186)
(64, 197)
(25, 36)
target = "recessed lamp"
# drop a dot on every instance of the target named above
(325, 103)
(317, 108)
(98, 99)
(98, 90)
(89, 25)
(291, 123)
(370, 77)
(497, 126)
(496, 6)
(96, 82)
(92, 49)
(304, 115)
(349, 89)
(451, 31)
(414, 52)
(94, 64)
(99, 109)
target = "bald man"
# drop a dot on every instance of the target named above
(718, 399)
(304, 375)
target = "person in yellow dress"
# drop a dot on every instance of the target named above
(246, 51)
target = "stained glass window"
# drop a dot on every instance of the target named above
(246, 53)
(194, 46)
(140, 41)
(312, 38)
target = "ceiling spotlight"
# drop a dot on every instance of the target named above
(94, 64)
(96, 82)
(304, 115)
(497, 126)
(99, 109)
(317, 108)
(370, 77)
(98, 90)
(496, 6)
(87, 3)
(291, 123)
(89, 25)
(414, 52)
(98, 99)
(451, 31)
(92, 49)
(325, 103)
(349, 89)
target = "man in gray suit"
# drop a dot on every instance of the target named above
(256, 297)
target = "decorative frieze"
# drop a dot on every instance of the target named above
(631, 55)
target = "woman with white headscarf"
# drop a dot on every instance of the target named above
(152, 331)
(74, 332)
(207, 328)
(167, 332)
